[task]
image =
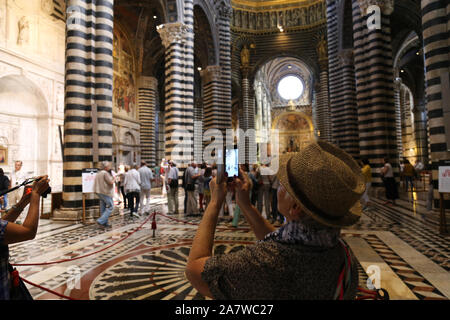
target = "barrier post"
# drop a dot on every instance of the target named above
(443, 219)
(84, 207)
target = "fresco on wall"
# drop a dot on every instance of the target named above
(295, 131)
(124, 88)
(124, 94)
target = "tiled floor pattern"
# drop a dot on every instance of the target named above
(143, 267)
(423, 289)
(421, 237)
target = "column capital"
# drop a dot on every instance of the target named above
(211, 73)
(173, 32)
(148, 82)
(346, 57)
(386, 6)
(224, 10)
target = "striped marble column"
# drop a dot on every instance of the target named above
(342, 87)
(436, 28)
(224, 83)
(147, 91)
(375, 86)
(88, 99)
(398, 115)
(248, 118)
(420, 130)
(217, 111)
(178, 39)
(323, 106)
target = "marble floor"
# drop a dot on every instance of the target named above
(396, 249)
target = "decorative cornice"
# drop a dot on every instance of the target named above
(386, 6)
(173, 32)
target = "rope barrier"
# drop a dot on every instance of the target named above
(66, 260)
(48, 290)
(87, 255)
(194, 224)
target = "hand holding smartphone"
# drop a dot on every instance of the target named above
(227, 165)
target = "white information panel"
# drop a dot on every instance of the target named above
(444, 179)
(88, 178)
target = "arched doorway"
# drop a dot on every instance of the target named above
(24, 125)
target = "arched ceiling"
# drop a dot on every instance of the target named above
(203, 39)
(272, 72)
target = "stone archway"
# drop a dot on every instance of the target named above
(295, 130)
(24, 124)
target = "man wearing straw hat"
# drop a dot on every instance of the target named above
(319, 193)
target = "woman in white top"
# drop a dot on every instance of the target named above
(389, 182)
(132, 186)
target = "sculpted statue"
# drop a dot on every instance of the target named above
(245, 56)
(266, 20)
(238, 19)
(260, 21)
(294, 17)
(322, 48)
(24, 31)
(251, 20)
(303, 16)
(273, 15)
(244, 19)
(47, 6)
(289, 20)
(323, 11)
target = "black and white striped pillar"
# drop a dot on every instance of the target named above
(217, 112)
(225, 12)
(436, 28)
(323, 103)
(178, 39)
(88, 99)
(375, 86)
(398, 115)
(147, 94)
(247, 124)
(342, 86)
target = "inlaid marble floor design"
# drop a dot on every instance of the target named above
(412, 258)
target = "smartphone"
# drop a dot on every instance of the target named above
(232, 163)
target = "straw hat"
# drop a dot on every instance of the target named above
(325, 181)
